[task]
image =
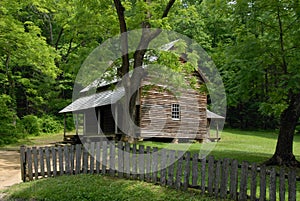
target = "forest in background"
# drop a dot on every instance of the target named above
(254, 44)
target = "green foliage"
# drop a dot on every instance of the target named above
(31, 124)
(10, 127)
(49, 124)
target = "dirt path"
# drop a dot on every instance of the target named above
(9, 168)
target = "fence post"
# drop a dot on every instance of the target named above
(292, 185)
(60, 159)
(23, 162)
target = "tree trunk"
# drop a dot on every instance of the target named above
(284, 149)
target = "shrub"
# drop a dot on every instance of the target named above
(10, 127)
(50, 125)
(31, 124)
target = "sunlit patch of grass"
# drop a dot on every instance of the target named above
(97, 187)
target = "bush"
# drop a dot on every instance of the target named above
(10, 127)
(50, 125)
(31, 124)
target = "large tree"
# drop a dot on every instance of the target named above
(263, 61)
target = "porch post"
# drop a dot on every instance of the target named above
(116, 119)
(65, 125)
(76, 122)
(98, 121)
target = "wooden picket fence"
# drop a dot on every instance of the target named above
(222, 179)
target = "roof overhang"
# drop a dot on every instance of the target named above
(99, 99)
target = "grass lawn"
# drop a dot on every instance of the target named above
(251, 146)
(96, 187)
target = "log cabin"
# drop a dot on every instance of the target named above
(160, 114)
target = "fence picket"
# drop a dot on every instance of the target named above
(54, 161)
(47, 154)
(179, 170)
(72, 160)
(243, 183)
(282, 184)
(262, 189)
(272, 189)
(29, 162)
(292, 184)
(120, 159)
(104, 157)
(23, 162)
(163, 160)
(217, 178)
(253, 182)
(148, 164)
(195, 169)
(234, 179)
(35, 162)
(41, 155)
(211, 177)
(171, 160)
(127, 160)
(112, 158)
(187, 170)
(85, 159)
(224, 178)
(60, 159)
(154, 164)
(134, 162)
(67, 160)
(141, 163)
(98, 157)
(78, 158)
(92, 158)
(203, 172)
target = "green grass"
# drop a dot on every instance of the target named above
(251, 146)
(41, 140)
(96, 187)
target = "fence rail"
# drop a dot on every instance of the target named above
(224, 178)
